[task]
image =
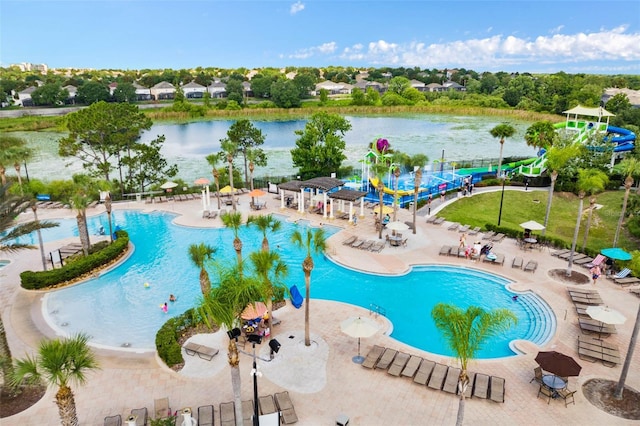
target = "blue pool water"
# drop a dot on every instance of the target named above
(117, 308)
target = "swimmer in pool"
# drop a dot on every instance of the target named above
(172, 298)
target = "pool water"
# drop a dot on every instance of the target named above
(117, 309)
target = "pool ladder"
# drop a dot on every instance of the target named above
(378, 310)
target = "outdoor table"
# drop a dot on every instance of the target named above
(530, 242)
(554, 382)
(395, 240)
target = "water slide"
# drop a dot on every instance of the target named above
(624, 138)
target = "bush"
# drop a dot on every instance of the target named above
(168, 337)
(83, 265)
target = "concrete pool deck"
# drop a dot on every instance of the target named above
(322, 380)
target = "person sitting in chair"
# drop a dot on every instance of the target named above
(386, 219)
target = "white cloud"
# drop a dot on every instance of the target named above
(323, 49)
(557, 29)
(296, 7)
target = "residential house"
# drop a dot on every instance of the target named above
(217, 89)
(246, 89)
(334, 88)
(143, 93)
(452, 85)
(417, 84)
(163, 90)
(112, 88)
(24, 97)
(72, 90)
(435, 87)
(364, 85)
(193, 90)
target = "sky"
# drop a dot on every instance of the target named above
(543, 36)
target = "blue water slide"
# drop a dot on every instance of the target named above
(623, 138)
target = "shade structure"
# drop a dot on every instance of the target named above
(257, 193)
(254, 310)
(616, 253)
(397, 226)
(359, 327)
(558, 363)
(385, 209)
(168, 185)
(605, 315)
(532, 225)
(318, 198)
(202, 181)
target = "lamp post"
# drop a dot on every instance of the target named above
(274, 345)
(107, 205)
(504, 178)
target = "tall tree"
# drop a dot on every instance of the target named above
(630, 167)
(100, 132)
(80, 202)
(12, 149)
(230, 149)
(59, 363)
(418, 161)
(265, 223)
(557, 158)
(541, 134)
(92, 92)
(213, 159)
(199, 255)
(146, 165)
(597, 183)
(270, 270)
(320, 147)
(312, 241)
(233, 220)
(247, 139)
(589, 180)
(125, 92)
(465, 332)
(502, 131)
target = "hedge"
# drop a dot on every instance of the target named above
(31, 280)
(167, 338)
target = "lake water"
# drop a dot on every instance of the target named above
(460, 137)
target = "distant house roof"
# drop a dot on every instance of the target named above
(164, 85)
(193, 85)
(416, 83)
(138, 86)
(29, 90)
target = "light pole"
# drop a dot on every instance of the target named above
(504, 178)
(274, 345)
(107, 206)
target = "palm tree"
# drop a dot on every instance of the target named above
(502, 131)
(270, 269)
(419, 161)
(34, 208)
(233, 220)
(380, 169)
(557, 158)
(597, 184)
(213, 159)
(588, 180)
(630, 167)
(199, 255)
(12, 150)
(59, 363)
(265, 223)
(21, 155)
(223, 306)
(79, 201)
(230, 149)
(252, 156)
(465, 332)
(312, 241)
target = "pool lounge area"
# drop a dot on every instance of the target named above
(326, 382)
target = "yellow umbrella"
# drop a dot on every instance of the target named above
(385, 209)
(226, 190)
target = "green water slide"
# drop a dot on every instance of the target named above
(534, 168)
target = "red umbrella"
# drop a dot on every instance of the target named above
(559, 364)
(202, 181)
(257, 193)
(254, 310)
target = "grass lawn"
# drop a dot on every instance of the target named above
(521, 206)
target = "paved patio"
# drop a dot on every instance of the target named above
(322, 380)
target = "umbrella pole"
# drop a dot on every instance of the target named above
(358, 359)
(358, 346)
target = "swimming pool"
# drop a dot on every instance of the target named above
(117, 309)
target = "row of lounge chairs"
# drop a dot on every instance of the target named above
(434, 375)
(607, 353)
(593, 350)
(279, 403)
(371, 245)
(530, 266)
(436, 220)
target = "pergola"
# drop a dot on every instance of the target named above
(320, 186)
(349, 195)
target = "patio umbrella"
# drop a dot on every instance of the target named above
(605, 315)
(385, 209)
(254, 310)
(202, 181)
(397, 226)
(359, 327)
(616, 253)
(227, 190)
(532, 225)
(559, 364)
(257, 193)
(168, 185)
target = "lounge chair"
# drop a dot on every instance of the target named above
(627, 281)
(437, 376)
(451, 381)
(589, 326)
(620, 275)
(161, 408)
(498, 237)
(424, 372)
(357, 243)
(584, 261)
(599, 260)
(438, 221)
(488, 235)
(468, 393)
(247, 411)
(412, 366)
(496, 389)
(531, 266)
(373, 356)
(464, 228)
(559, 252)
(267, 404)
(227, 414)
(498, 259)
(367, 245)
(398, 364)
(113, 420)
(454, 226)
(205, 415)
(576, 256)
(286, 408)
(474, 231)
(431, 219)
(202, 351)
(445, 250)
(481, 386)
(378, 246)
(141, 415)
(517, 262)
(545, 391)
(349, 240)
(386, 359)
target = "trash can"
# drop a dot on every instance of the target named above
(138, 197)
(411, 206)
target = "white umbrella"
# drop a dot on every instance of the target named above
(605, 315)
(397, 226)
(359, 327)
(532, 225)
(168, 185)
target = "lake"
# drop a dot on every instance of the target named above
(460, 137)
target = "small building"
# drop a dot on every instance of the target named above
(193, 90)
(24, 97)
(163, 90)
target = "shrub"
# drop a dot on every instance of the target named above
(168, 337)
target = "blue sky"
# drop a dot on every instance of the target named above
(527, 36)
